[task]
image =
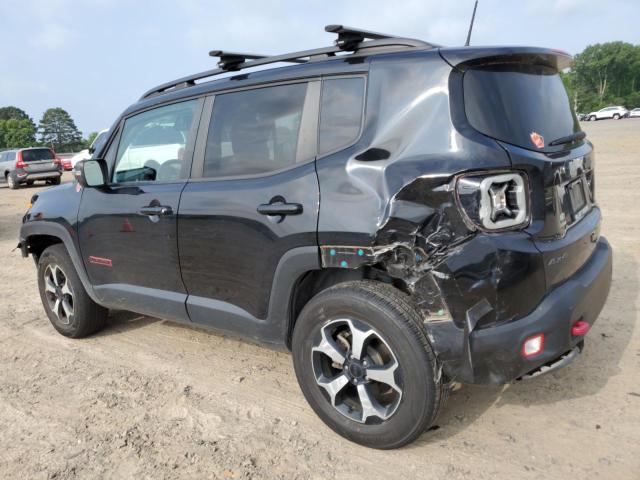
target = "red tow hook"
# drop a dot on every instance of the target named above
(580, 328)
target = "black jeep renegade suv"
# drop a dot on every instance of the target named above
(400, 215)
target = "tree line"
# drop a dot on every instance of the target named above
(56, 129)
(604, 74)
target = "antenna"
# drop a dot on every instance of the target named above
(473, 17)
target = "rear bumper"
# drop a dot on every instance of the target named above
(493, 355)
(20, 176)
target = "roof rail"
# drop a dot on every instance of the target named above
(349, 39)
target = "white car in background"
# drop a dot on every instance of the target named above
(609, 112)
(87, 152)
(635, 112)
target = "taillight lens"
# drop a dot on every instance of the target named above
(495, 202)
(19, 162)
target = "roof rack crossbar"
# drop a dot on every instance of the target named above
(349, 37)
(232, 61)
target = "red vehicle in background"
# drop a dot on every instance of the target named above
(65, 162)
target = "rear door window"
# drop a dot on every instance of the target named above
(518, 103)
(37, 155)
(255, 131)
(340, 113)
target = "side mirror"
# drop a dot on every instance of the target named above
(91, 173)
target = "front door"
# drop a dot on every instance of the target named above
(255, 199)
(128, 229)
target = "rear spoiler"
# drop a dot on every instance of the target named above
(465, 57)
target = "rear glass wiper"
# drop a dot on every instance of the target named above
(574, 137)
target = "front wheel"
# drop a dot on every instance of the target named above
(67, 304)
(592, 118)
(616, 116)
(365, 366)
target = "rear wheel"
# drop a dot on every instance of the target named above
(11, 182)
(69, 308)
(54, 181)
(365, 366)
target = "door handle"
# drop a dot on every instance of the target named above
(156, 210)
(280, 209)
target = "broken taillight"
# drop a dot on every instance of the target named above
(494, 202)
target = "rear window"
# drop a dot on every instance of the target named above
(340, 112)
(526, 105)
(37, 154)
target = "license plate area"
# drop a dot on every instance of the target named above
(577, 198)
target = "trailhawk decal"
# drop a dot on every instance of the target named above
(105, 262)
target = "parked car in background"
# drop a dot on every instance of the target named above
(609, 112)
(26, 165)
(66, 162)
(86, 153)
(635, 112)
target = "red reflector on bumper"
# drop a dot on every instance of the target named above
(580, 328)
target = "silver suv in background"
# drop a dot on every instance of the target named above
(635, 112)
(609, 112)
(26, 165)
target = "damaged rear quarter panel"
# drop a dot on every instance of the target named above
(399, 214)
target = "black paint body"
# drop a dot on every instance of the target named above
(383, 207)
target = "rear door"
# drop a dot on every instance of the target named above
(128, 229)
(253, 197)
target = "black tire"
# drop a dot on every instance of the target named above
(592, 118)
(30, 182)
(397, 323)
(616, 116)
(13, 185)
(88, 317)
(54, 181)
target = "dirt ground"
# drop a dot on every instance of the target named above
(147, 398)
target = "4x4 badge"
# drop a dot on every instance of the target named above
(537, 139)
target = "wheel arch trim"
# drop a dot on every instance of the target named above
(57, 230)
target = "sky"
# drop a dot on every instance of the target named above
(95, 57)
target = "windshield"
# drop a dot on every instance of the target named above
(37, 154)
(526, 105)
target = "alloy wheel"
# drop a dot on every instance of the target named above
(58, 293)
(357, 371)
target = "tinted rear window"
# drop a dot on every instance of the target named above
(37, 154)
(513, 102)
(340, 112)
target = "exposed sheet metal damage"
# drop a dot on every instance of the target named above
(422, 228)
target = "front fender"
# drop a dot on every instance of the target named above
(53, 229)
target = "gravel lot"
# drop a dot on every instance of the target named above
(151, 399)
